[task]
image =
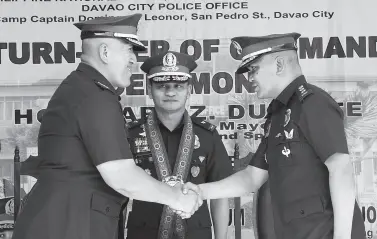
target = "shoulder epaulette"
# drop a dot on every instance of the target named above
(134, 123)
(204, 124)
(102, 86)
(303, 91)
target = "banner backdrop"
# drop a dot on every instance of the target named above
(39, 47)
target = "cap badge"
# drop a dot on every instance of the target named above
(170, 62)
(237, 46)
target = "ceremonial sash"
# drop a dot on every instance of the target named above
(170, 222)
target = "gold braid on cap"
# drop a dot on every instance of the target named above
(170, 78)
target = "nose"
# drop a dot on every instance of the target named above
(170, 91)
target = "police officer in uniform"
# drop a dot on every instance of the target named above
(86, 170)
(304, 151)
(169, 143)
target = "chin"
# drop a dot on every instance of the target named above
(126, 82)
(125, 85)
(263, 95)
(260, 95)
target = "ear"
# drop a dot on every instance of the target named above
(280, 65)
(189, 88)
(149, 89)
(104, 53)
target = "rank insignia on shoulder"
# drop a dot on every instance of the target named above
(204, 124)
(102, 86)
(303, 91)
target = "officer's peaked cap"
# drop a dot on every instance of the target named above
(168, 66)
(252, 48)
(123, 27)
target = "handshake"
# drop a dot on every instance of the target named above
(189, 199)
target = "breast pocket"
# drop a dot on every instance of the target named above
(104, 217)
(302, 208)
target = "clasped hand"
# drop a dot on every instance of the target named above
(188, 201)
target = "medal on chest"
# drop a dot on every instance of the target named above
(288, 135)
(195, 170)
(286, 152)
(287, 117)
(197, 142)
(141, 145)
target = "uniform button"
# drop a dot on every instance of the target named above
(302, 212)
(107, 209)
